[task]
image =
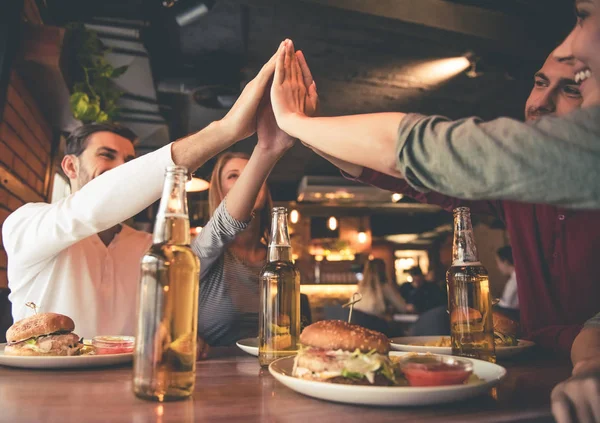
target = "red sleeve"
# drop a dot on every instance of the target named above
(390, 183)
(556, 338)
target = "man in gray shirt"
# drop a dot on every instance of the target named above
(551, 160)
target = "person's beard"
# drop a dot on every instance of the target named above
(83, 177)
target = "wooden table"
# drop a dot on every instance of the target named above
(234, 388)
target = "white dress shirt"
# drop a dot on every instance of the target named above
(510, 299)
(57, 260)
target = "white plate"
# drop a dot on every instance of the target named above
(388, 395)
(249, 345)
(63, 362)
(406, 344)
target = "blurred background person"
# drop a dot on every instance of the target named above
(421, 295)
(506, 265)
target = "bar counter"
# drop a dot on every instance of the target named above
(231, 386)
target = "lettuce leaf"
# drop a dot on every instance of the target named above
(352, 375)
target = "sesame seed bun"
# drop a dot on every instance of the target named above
(339, 335)
(505, 325)
(39, 325)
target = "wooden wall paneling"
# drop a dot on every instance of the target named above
(15, 186)
(17, 82)
(10, 24)
(20, 129)
(24, 111)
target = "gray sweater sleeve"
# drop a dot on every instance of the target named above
(220, 230)
(552, 160)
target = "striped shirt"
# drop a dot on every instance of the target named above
(229, 297)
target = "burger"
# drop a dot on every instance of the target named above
(505, 330)
(338, 352)
(43, 334)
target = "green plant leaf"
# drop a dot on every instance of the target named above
(94, 95)
(119, 71)
(79, 103)
(102, 117)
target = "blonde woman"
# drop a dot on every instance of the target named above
(232, 245)
(377, 292)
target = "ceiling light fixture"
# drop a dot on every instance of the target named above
(294, 216)
(397, 197)
(362, 237)
(196, 185)
(332, 224)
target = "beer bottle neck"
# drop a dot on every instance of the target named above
(172, 222)
(464, 249)
(280, 248)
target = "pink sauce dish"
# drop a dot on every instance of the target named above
(113, 344)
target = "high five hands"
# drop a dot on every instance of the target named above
(293, 93)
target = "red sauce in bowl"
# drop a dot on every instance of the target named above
(441, 375)
(432, 370)
(113, 344)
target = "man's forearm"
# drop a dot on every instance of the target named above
(365, 140)
(196, 149)
(586, 345)
(351, 169)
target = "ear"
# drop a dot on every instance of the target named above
(70, 166)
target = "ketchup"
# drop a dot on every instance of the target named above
(113, 344)
(438, 374)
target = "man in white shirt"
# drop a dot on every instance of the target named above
(74, 256)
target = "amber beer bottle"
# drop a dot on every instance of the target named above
(279, 314)
(165, 348)
(469, 301)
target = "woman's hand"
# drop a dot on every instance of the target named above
(240, 121)
(289, 97)
(270, 137)
(202, 349)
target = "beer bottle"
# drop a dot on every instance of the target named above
(469, 301)
(279, 314)
(165, 348)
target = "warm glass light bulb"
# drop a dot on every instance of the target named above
(362, 237)
(294, 216)
(332, 223)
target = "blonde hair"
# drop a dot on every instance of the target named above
(373, 300)
(215, 193)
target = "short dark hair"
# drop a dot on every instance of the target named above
(505, 254)
(78, 140)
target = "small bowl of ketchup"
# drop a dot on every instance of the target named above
(113, 344)
(435, 370)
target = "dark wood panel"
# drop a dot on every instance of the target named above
(15, 98)
(20, 129)
(9, 28)
(19, 84)
(3, 258)
(14, 185)
(3, 279)
(22, 122)
(18, 148)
